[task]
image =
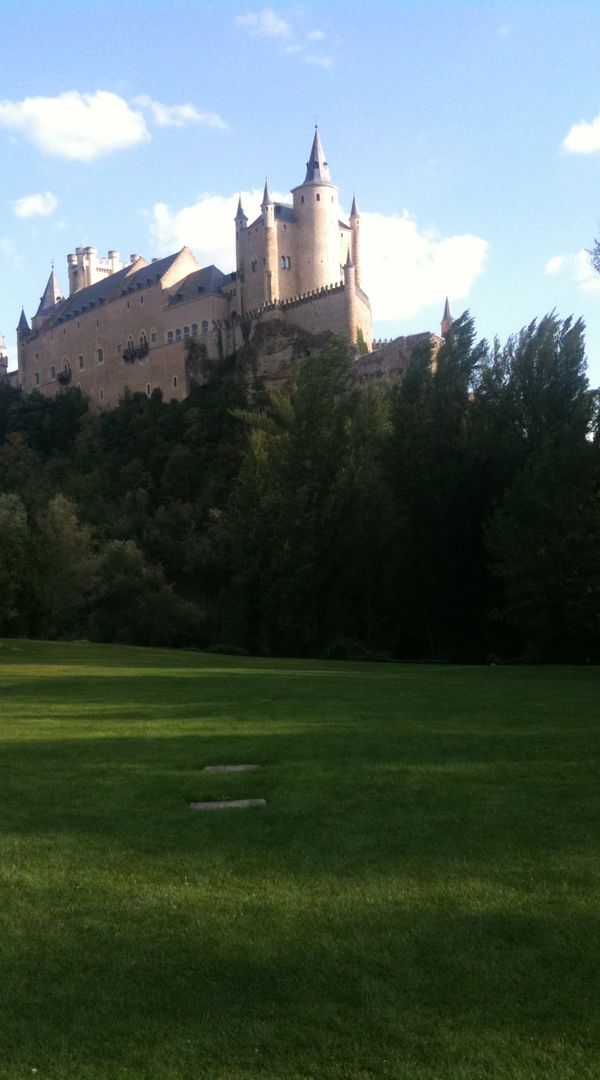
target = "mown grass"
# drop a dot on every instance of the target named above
(419, 900)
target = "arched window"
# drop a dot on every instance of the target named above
(67, 364)
(36, 378)
(178, 334)
(153, 336)
(130, 342)
(170, 337)
(205, 325)
(143, 338)
(194, 329)
(186, 331)
(99, 355)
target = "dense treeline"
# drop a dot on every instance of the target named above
(455, 516)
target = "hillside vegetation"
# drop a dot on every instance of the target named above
(453, 517)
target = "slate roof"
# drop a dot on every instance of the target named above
(317, 169)
(207, 281)
(23, 327)
(52, 295)
(113, 286)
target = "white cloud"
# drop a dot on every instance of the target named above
(554, 265)
(578, 268)
(318, 61)
(40, 205)
(403, 270)
(265, 23)
(584, 137)
(179, 115)
(81, 127)
(316, 35)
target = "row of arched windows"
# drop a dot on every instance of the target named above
(188, 331)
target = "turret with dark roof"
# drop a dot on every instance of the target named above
(53, 294)
(317, 169)
(23, 325)
(447, 319)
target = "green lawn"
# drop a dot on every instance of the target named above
(420, 899)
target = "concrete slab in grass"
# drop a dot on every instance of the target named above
(229, 768)
(231, 804)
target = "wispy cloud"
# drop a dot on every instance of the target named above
(286, 32)
(39, 205)
(265, 23)
(578, 268)
(583, 137)
(179, 115)
(404, 270)
(84, 127)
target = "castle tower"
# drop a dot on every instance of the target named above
(271, 269)
(350, 298)
(447, 319)
(316, 212)
(23, 327)
(355, 227)
(51, 297)
(241, 226)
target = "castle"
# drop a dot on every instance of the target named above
(125, 326)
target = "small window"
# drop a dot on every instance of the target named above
(36, 378)
(99, 355)
(170, 337)
(78, 324)
(254, 265)
(81, 362)
(101, 395)
(130, 342)
(174, 382)
(318, 198)
(302, 198)
(52, 372)
(205, 325)
(67, 364)
(37, 356)
(118, 350)
(128, 303)
(141, 299)
(186, 331)
(178, 334)
(153, 337)
(194, 329)
(148, 389)
(286, 262)
(143, 338)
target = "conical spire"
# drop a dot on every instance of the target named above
(317, 169)
(354, 211)
(447, 319)
(52, 295)
(23, 327)
(266, 194)
(240, 211)
(348, 262)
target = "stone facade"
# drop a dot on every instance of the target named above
(123, 325)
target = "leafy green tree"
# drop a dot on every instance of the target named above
(67, 563)
(19, 577)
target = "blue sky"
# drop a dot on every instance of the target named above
(469, 131)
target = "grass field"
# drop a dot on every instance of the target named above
(420, 898)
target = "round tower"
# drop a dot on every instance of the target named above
(316, 211)
(355, 234)
(271, 269)
(350, 299)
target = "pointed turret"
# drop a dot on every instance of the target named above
(53, 294)
(354, 211)
(348, 262)
(317, 169)
(266, 199)
(240, 215)
(23, 326)
(447, 319)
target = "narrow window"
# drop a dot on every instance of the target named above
(36, 377)
(170, 337)
(128, 303)
(81, 362)
(141, 299)
(174, 382)
(143, 338)
(52, 372)
(99, 355)
(101, 395)
(205, 325)
(302, 198)
(178, 334)
(186, 331)
(153, 337)
(194, 329)
(318, 198)
(148, 390)
(118, 350)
